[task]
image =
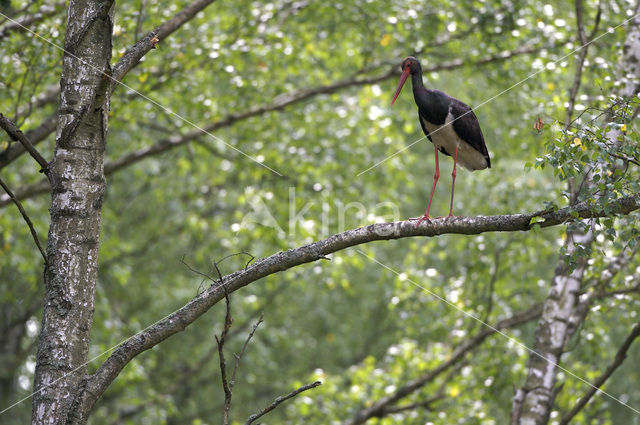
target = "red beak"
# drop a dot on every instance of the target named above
(403, 78)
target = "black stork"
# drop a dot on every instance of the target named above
(449, 124)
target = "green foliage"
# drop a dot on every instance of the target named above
(609, 154)
(362, 329)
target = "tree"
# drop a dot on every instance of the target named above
(281, 93)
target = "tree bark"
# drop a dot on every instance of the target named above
(77, 181)
(532, 404)
(177, 321)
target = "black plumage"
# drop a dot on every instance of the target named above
(449, 124)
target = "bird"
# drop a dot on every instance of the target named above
(449, 124)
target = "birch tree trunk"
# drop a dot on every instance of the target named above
(562, 314)
(77, 186)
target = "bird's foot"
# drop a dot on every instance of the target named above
(421, 219)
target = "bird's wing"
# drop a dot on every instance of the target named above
(467, 127)
(420, 118)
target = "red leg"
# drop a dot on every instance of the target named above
(453, 180)
(436, 176)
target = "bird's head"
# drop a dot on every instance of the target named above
(409, 66)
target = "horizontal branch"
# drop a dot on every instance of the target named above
(38, 188)
(424, 404)
(177, 321)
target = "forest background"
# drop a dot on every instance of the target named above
(191, 139)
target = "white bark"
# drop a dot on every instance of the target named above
(77, 182)
(533, 402)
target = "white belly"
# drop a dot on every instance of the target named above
(444, 136)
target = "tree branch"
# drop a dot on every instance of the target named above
(148, 42)
(424, 404)
(223, 365)
(186, 371)
(439, 393)
(624, 291)
(14, 132)
(586, 299)
(228, 386)
(280, 400)
(27, 192)
(244, 348)
(176, 322)
(36, 136)
(124, 65)
(26, 219)
(617, 361)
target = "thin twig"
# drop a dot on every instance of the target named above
(227, 385)
(223, 367)
(238, 254)
(16, 134)
(139, 21)
(577, 80)
(26, 218)
(586, 42)
(244, 347)
(624, 158)
(206, 276)
(280, 400)
(23, 81)
(617, 361)
(216, 263)
(596, 24)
